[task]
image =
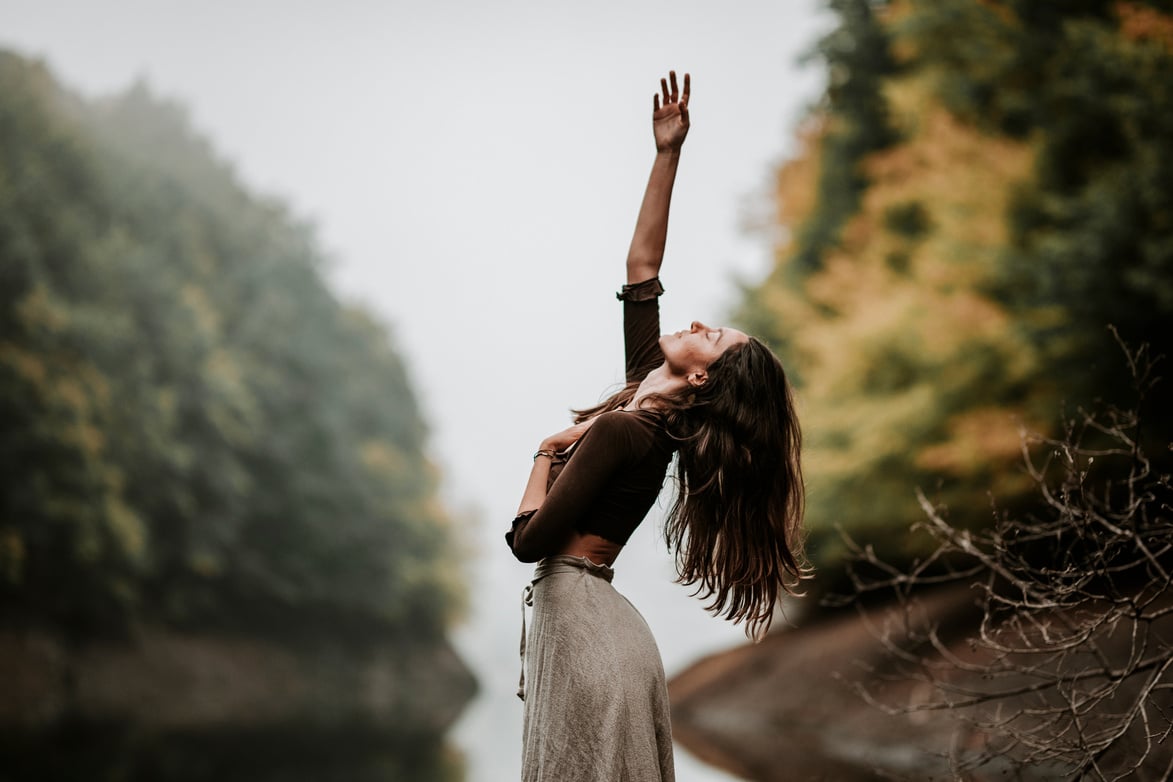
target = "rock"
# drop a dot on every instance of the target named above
(787, 710)
(165, 681)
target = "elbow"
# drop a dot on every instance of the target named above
(525, 555)
(520, 545)
(523, 550)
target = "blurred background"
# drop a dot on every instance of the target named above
(292, 290)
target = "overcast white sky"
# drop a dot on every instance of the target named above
(474, 170)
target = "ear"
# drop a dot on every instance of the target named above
(698, 378)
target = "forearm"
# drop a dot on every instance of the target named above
(530, 540)
(651, 228)
(545, 520)
(535, 487)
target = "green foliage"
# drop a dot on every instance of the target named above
(194, 428)
(1018, 206)
(857, 59)
(909, 219)
(1092, 240)
(991, 60)
(1092, 233)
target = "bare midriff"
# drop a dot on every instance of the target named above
(595, 548)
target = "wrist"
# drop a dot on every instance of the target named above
(672, 152)
(544, 453)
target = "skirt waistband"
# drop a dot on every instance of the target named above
(560, 563)
(565, 563)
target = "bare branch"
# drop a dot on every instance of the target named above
(1069, 668)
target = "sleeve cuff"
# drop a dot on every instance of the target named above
(641, 291)
(517, 522)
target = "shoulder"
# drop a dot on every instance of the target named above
(610, 423)
(626, 427)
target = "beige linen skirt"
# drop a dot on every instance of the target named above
(596, 702)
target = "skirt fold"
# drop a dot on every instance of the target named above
(596, 700)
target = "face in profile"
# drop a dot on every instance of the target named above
(689, 353)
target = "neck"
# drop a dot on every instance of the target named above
(660, 381)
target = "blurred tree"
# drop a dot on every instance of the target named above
(194, 428)
(1092, 234)
(72, 545)
(1009, 209)
(857, 59)
(1065, 672)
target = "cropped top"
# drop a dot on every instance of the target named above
(615, 471)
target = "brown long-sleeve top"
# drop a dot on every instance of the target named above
(616, 469)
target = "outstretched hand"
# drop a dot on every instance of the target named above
(670, 114)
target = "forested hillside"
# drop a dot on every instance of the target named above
(985, 188)
(193, 429)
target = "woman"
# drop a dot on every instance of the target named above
(596, 705)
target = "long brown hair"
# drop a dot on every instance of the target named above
(736, 522)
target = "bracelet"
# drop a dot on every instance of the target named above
(543, 452)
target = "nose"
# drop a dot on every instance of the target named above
(698, 326)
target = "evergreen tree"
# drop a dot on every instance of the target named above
(1016, 206)
(193, 429)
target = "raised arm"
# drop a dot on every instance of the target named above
(669, 126)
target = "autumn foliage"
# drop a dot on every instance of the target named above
(983, 191)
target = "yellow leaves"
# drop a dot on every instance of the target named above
(381, 458)
(844, 283)
(961, 177)
(985, 442)
(901, 347)
(127, 530)
(235, 411)
(26, 365)
(976, 437)
(895, 13)
(74, 391)
(39, 312)
(1143, 23)
(224, 370)
(201, 310)
(12, 556)
(70, 399)
(847, 440)
(796, 189)
(960, 180)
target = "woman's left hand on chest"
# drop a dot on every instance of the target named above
(567, 437)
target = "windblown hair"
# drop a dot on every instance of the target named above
(736, 523)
